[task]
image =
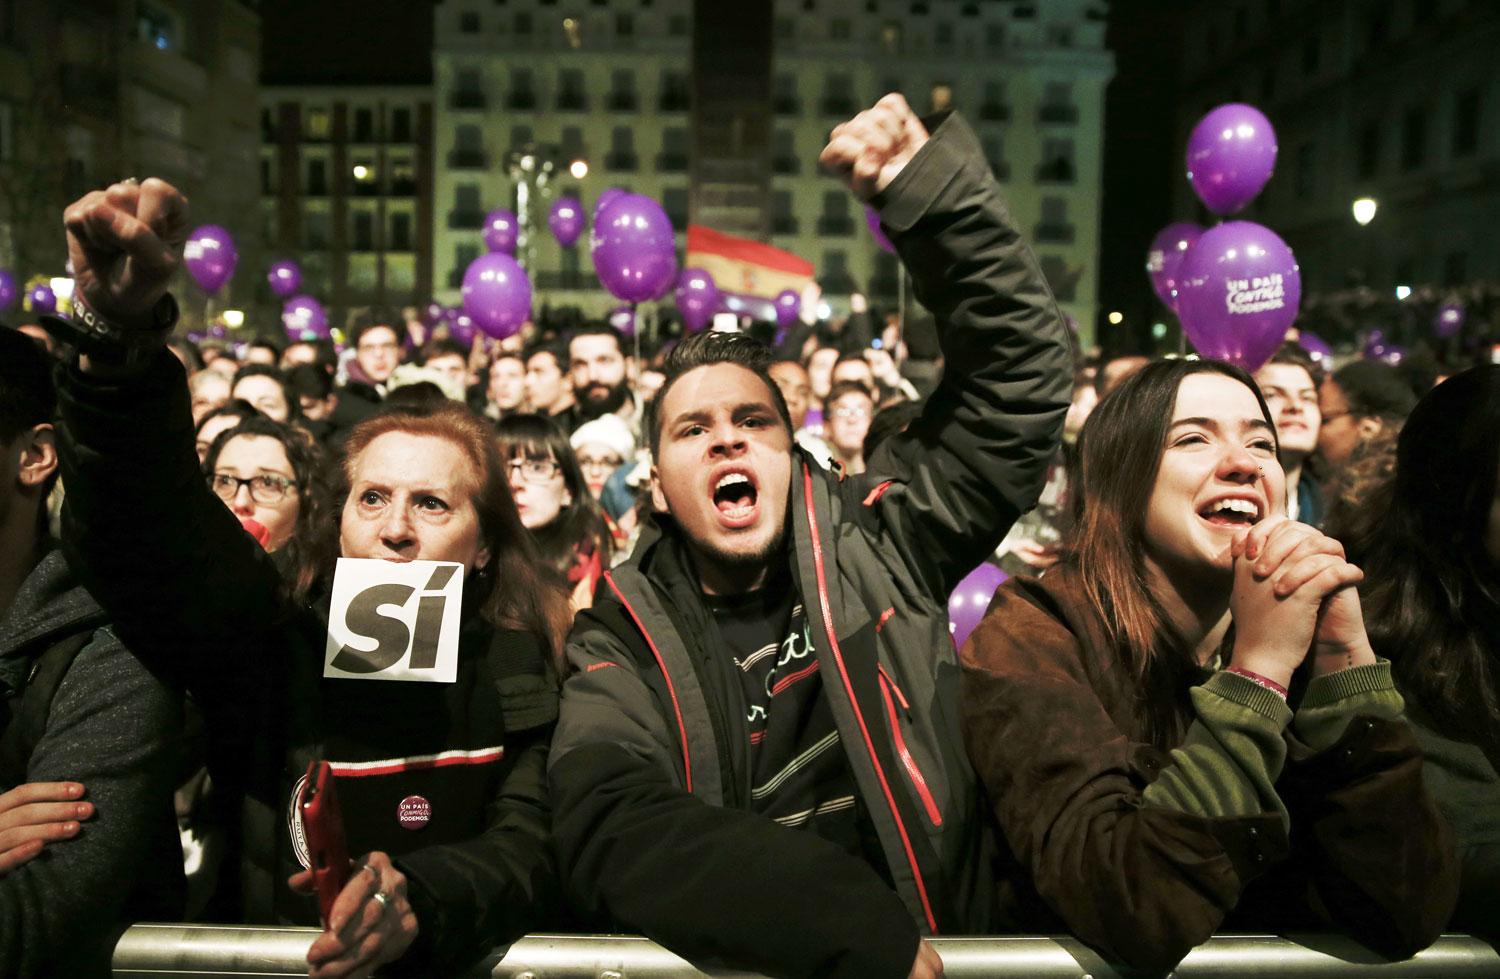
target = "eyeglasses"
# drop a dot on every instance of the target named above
(265, 488)
(535, 470)
(610, 463)
(850, 413)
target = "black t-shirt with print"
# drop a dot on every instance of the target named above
(799, 773)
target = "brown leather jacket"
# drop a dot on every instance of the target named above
(1052, 729)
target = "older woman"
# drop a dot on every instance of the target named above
(1183, 724)
(454, 857)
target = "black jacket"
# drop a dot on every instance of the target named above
(649, 768)
(197, 597)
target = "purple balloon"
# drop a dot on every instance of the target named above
(8, 289)
(697, 298)
(1316, 346)
(788, 306)
(196, 337)
(497, 294)
(463, 329)
(634, 248)
(1449, 320)
(622, 318)
(210, 257)
(304, 318)
(566, 220)
(501, 231)
(1393, 354)
(872, 218)
(284, 277)
(1239, 291)
(606, 197)
(433, 313)
(218, 331)
(42, 299)
(1231, 154)
(1164, 261)
(970, 600)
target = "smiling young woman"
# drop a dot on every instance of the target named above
(1182, 725)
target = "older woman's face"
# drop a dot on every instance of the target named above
(411, 498)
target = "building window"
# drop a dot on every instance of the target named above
(835, 221)
(622, 97)
(267, 171)
(890, 38)
(838, 96)
(572, 144)
(675, 94)
(784, 158)
(624, 25)
(1466, 123)
(468, 23)
(466, 213)
(521, 23)
(1414, 138)
(522, 94)
(570, 96)
(463, 256)
(316, 126)
(1054, 227)
(994, 152)
(1368, 151)
(1057, 162)
(364, 126)
(401, 125)
(267, 126)
(836, 279)
(521, 135)
(783, 217)
(317, 178)
(674, 150)
(674, 201)
(366, 177)
(994, 108)
(621, 157)
(1057, 104)
(403, 178)
(363, 231)
(315, 230)
(784, 101)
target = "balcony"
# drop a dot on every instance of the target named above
(466, 100)
(521, 99)
(622, 102)
(671, 163)
(785, 224)
(622, 162)
(994, 112)
(572, 102)
(466, 160)
(835, 227)
(787, 105)
(1054, 234)
(836, 105)
(465, 220)
(1064, 115)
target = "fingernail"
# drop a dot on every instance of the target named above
(69, 828)
(85, 810)
(75, 790)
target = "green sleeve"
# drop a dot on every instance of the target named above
(1233, 753)
(1334, 699)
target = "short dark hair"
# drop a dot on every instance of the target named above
(188, 351)
(841, 388)
(1375, 389)
(443, 347)
(704, 350)
(309, 381)
(27, 396)
(595, 328)
(267, 343)
(1293, 355)
(551, 348)
(372, 318)
(293, 406)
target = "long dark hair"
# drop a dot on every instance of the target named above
(1119, 454)
(581, 523)
(1432, 590)
(508, 591)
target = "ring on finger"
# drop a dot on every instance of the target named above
(383, 899)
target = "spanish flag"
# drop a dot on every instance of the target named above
(745, 266)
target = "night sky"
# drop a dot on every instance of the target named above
(343, 41)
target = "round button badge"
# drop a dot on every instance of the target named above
(414, 812)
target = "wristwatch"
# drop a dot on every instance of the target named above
(108, 342)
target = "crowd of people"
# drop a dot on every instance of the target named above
(1241, 677)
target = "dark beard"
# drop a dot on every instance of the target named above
(614, 398)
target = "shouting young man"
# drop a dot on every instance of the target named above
(758, 760)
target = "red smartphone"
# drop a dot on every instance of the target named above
(324, 826)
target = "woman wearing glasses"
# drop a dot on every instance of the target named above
(263, 470)
(555, 503)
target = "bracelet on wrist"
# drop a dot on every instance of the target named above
(1258, 680)
(101, 339)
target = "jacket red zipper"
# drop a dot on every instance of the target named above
(661, 664)
(859, 717)
(912, 771)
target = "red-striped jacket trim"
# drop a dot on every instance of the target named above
(391, 766)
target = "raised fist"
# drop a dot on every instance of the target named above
(123, 245)
(870, 149)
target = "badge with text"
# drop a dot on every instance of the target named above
(394, 621)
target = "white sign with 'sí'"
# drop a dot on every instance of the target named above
(393, 621)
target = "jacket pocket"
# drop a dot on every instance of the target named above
(913, 772)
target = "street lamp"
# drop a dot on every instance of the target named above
(1364, 210)
(579, 169)
(530, 167)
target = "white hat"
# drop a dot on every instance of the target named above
(609, 431)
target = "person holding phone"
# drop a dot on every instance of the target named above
(1182, 725)
(441, 785)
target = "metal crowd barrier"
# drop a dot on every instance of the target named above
(226, 950)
